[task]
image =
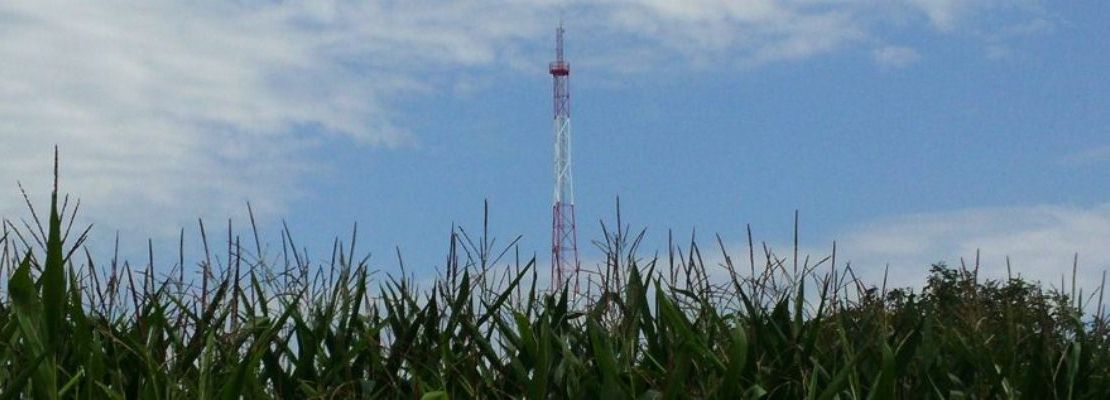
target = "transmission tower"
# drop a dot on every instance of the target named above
(564, 239)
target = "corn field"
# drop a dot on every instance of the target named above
(752, 326)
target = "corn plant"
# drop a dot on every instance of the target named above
(658, 327)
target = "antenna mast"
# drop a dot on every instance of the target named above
(564, 240)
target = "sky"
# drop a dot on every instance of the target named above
(908, 131)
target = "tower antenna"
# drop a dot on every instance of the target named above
(564, 238)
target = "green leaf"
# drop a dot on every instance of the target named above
(883, 387)
(29, 316)
(437, 395)
(737, 360)
(53, 279)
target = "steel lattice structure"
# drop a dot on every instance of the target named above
(564, 238)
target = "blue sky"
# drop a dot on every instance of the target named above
(909, 131)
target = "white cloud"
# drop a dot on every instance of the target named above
(1034, 26)
(169, 111)
(1040, 242)
(997, 51)
(1088, 156)
(165, 111)
(895, 56)
(999, 44)
(946, 14)
(758, 30)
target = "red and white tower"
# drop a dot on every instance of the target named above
(564, 241)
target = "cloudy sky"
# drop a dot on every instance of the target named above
(910, 131)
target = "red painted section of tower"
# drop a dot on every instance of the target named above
(564, 237)
(564, 251)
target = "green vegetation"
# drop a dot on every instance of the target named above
(655, 327)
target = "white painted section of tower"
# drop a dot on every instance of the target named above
(564, 176)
